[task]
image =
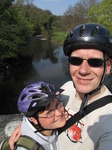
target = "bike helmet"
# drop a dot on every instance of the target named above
(88, 36)
(35, 97)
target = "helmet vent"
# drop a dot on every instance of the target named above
(71, 34)
(82, 28)
(23, 96)
(45, 88)
(36, 96)
(95, 30)
(32, 91)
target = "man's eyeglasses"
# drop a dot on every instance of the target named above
(51, 113)
(93, 62)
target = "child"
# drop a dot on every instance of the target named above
(42, 114)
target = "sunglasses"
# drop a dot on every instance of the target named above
(93, 62)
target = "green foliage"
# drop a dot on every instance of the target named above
(59, 37)
(14, 32)
(20, 19)
(48, 26)
(4, 4)
(102, 14)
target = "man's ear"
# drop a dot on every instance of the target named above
(109, 64)
(33, 120)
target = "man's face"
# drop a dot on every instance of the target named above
(85, 77)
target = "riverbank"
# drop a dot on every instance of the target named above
(7, 124)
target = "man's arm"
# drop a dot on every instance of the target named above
(105, 143)
(15, 136)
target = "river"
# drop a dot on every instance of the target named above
(45, 62)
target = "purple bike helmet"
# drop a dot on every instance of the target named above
(35, 97)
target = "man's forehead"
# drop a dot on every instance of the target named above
(87, 51)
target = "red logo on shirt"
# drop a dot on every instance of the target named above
(74, 133)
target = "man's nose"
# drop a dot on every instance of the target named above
(84, 68)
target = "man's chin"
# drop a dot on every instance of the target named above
(83, 92)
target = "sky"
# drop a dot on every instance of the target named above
(57, 7)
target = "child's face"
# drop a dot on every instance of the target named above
(53, 116)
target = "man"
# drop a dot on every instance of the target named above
(89, 51)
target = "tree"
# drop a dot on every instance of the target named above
(4, 4)
(103, 15)
(75, 15)
(14, 31)
(48, 25)
(89, 3)
(78, 13)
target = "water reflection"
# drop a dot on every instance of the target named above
(46, 62)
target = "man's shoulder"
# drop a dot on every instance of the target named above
(67, 85)
(67, 96)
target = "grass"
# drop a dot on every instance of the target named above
(59, 37)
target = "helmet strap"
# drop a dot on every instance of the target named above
(84, 100)
(38, 127)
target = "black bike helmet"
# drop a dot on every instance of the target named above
(88, 36)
